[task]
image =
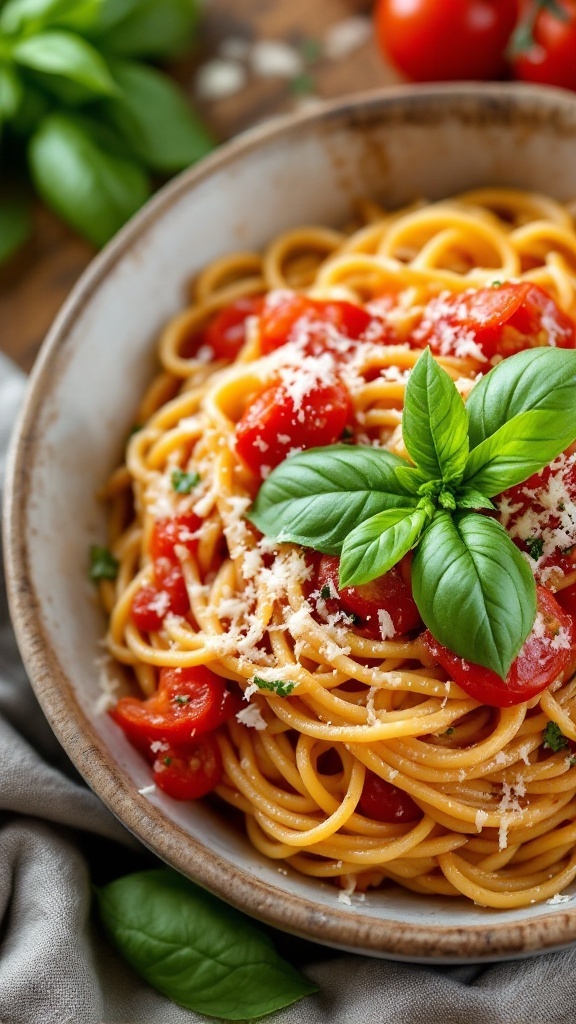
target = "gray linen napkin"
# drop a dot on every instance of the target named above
(57, 968)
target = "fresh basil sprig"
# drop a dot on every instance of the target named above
(93, 121)
(473, 588)
(195, 950)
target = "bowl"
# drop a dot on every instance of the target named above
(394, 146)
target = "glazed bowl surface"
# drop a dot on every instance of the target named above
(395, 146)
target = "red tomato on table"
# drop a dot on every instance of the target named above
(382, 801)
(191, 772)
(436, 40)
(550, 59)
(390, 593)
(498, 321)
(276, 423)
(547, 651)
(189, 702)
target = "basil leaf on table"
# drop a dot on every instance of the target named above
(518, 449)
(15, 225)
(379, 543)
(154, 117)
(18, 15)
(435, 421)
(319, 496)
(194, 949)
(95, 191)
(473, 589)
(10, 93)
(68, 55)
(152, 29)
(536, 379)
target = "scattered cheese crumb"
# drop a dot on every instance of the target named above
(559, 898)
(346, 36)
(271, 58)
(481, 819)
(251, 716)
(387, 628)
(219, 78)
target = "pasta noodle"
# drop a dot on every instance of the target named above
(329, 703)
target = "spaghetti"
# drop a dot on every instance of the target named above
(353, 755)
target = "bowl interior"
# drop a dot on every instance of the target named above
(395, 147)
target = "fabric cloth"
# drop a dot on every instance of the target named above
(56, 837)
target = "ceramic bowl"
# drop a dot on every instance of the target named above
(393, 145)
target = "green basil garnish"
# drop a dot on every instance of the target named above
(472, 586)
(103, 564)
(279, 686)
(194, 949)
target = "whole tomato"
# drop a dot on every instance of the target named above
(548, 55)
(436, 40)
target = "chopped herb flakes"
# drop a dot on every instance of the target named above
(535, 547)
(554, 738)
(325, 593)
(449, 731)
(278, 686)
(103, 564)
(182, 482)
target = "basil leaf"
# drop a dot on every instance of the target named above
(537, 379)
(435, 422)
(194, 949)
(33, 14)
(153, 29)
(473, 589)
(410, 478)
(95, 191)
(469, 497)
(523, 446)
(10, 93)
(379, 543)
(66, 54)
(317, 497)
(154, 117)
(15, 226)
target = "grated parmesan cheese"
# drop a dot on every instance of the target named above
(251, 716)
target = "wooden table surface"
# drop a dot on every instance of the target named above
(35, 283)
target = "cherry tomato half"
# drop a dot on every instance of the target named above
(276, 423)
(167, 533)
(551, 57)
(501, 321)
(152, 602)
(188, 703)
(547, 651)
(294, 315)
(188, 773)
(382, 801)
(390, 593)
(225, 334)
(436, 40)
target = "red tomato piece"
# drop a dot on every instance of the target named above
(382, 801)
(174, 530)
(437, 40)
(551, 58)
(188, 703)
(225, 335)
(170, 580)
(546, 653)
(294, 314)
(188, 773)
(390, 593)
(276, 423)
(500, 321)
(567, 599)
(540, 516)
(148, 609)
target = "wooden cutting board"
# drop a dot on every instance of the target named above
(35, 283)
